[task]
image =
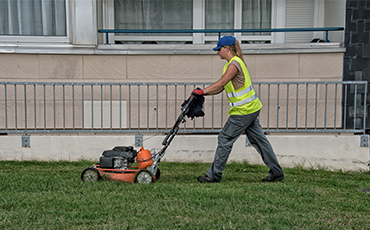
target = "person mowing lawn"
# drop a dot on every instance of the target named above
(243, 114)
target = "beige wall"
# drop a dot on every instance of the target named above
(166, 68)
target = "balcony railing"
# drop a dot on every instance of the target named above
(221, 31)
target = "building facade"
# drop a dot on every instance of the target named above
(59, 41)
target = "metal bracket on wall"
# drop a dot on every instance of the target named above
(139, 140)
(26, 141)
(364, 141)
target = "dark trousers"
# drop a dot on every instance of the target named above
(235, 126)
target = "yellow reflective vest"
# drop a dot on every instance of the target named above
(244, 100)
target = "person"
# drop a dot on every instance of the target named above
(243, 113)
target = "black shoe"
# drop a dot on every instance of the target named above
(273, 178)
(206, 179)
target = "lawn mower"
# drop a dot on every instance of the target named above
(119, 163)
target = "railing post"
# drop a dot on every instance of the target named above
(107, 38)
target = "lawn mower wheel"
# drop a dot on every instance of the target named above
(144, 176)
(90, 175)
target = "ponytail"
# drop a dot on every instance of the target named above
(236, 50)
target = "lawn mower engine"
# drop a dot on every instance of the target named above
(118, 164)
(120, 157)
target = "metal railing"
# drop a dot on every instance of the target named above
(41, 107)
(220, 31)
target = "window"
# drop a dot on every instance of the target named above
(216, 14)
(256, 14)
(32, 18)
(219, 14)
(239, 14)
(187, 14)
(149, 14)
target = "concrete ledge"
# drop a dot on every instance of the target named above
(308, 151)
(167, 49)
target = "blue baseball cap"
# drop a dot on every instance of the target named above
(225, 41)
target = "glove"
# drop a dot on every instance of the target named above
(197, 92)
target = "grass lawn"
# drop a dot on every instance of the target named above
(51, 195)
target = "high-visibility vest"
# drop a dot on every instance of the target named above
(244, 100)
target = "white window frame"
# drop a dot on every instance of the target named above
(10, 39)
(278, 20)
(319, 18)
(198, 23)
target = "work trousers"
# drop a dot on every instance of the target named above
(235, 126)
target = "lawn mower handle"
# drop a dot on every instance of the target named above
(167, 140)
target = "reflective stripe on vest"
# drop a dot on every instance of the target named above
(245, 101)
(240, 93)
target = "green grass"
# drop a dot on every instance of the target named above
(51, 195)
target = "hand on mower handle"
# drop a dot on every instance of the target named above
(197, 92)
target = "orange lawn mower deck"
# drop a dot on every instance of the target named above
(118, 163)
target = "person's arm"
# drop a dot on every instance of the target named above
(218, 86)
